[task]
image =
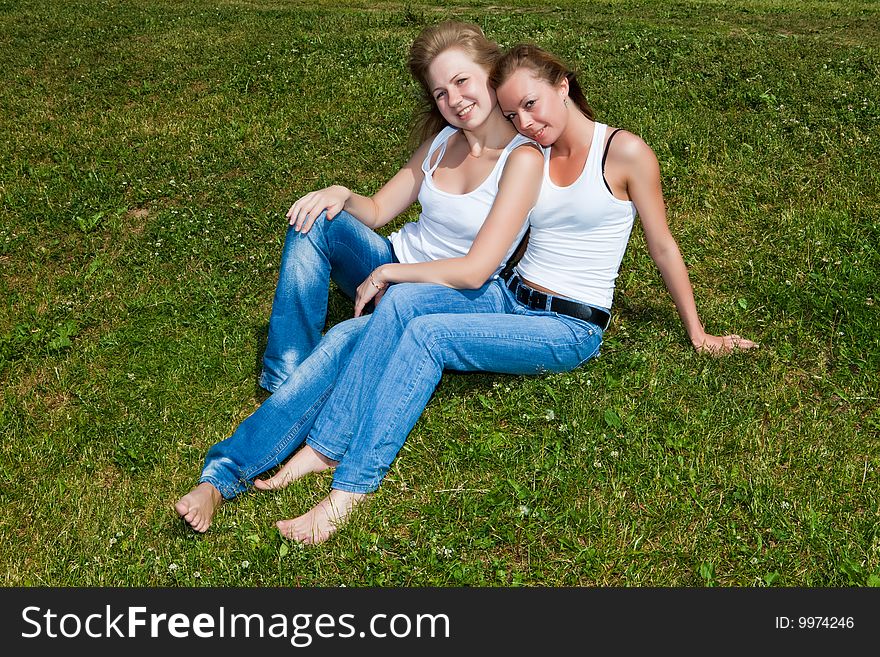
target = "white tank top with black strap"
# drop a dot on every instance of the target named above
(578, 233)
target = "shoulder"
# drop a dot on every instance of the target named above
(431, 144)
(527, 151)
(438, 138)
(628, 146)
(445, 134)
(630, 152)
(524, 161)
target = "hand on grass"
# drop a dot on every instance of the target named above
(722, 344)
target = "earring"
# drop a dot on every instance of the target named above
(565, 101)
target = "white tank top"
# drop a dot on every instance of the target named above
(579, 233)
(448, 222)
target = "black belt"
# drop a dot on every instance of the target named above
(537, 300)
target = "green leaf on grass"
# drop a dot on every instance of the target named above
(612, 419)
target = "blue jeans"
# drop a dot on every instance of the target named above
(299, 366)
(416, 332)
(282, 422)
(342, 249)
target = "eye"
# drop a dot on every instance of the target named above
(461, 81)
(510, 117)
(439, 95)
(529, 104)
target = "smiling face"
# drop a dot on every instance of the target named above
(460, 88)
(536, 108)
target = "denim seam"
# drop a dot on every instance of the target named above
(228, 492)
(318, 446)
(362, 489)
(520, 338)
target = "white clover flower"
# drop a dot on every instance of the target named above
(172, 567)
(549, 415)
(245, 564)
(524, 510)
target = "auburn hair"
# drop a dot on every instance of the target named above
(545, 66)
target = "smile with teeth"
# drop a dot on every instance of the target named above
(467, 110)
(540, 132)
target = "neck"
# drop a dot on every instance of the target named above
(578, 133)
(493, 134)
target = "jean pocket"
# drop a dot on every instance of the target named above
(587, 337)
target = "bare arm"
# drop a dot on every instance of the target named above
(643, 185)
(517, 193)
(374, 211)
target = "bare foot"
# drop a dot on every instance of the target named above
(321, 521)
(197, 506)
(300, 464)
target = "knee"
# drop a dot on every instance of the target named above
(400, 301)
(308, 248)
(297, 243)
(426, 331)
(341, 224)
(324, 233)
(341, 338)
(426, 340)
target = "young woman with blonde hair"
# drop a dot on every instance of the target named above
(475, 184)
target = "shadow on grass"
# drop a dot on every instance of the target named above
(261, 337)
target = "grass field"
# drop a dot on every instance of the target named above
(148, 152)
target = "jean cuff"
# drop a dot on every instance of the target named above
(228, 492)
(266, 382)
(325, 451)
(354, 488)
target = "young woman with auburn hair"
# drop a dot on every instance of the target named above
(546, 315)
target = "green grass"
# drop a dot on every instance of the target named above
(148, 152)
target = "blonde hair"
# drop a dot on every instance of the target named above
(545, 66)
(433, 41)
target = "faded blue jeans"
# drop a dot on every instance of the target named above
(417, 331)
(300, 366)
(282, 422)
(342, 249)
